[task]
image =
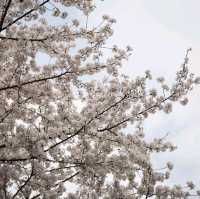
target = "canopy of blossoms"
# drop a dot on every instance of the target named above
(47, 140)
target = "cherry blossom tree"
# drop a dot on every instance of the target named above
(66, 122)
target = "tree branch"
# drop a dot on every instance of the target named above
(24, 15)
(4, 14)
(25, 183)
(62, 141)
(34, 81)
(24, 39)
(140, 113)
(95, 117)
(68, 178)
(2, 146)
(36, 196)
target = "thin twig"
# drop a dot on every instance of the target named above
(24, 15)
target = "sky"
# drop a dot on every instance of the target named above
(159, 32)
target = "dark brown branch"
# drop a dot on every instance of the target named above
(25, 183)
(62, 141)
(66, 167)
(95, 117)
(24, 15)
(8, 112)
(36, 196)
(112, 106)
(42, 39)
(24, 39)
(140, 113)
(15, 159)
(3, 16)
(2, 146)
(4, 160)
(34, 81)
(69, 178)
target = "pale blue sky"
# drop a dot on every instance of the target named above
(177, 15)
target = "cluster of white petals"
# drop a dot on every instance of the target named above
(47, 140)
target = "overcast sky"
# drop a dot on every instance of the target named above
(160, 31)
